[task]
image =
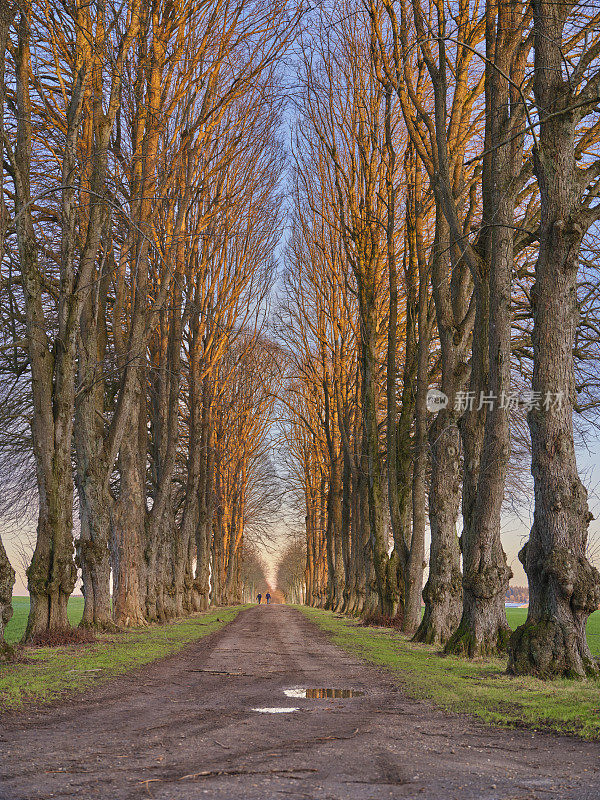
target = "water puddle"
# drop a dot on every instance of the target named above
(275, 710)
(322, 694)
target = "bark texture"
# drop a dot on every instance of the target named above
(7, 581)
(564, 588)
(442, 592)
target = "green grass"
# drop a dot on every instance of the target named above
(50, 671)
(479, 687)
(16, 627)
(517, 616)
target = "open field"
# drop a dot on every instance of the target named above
(49, 671)
(16, 627)
(480, 687)
(517, 616)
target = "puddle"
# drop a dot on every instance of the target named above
(322, 694)
(275, 710)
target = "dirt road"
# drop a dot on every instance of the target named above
(185, 728)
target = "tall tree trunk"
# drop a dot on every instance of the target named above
(94, 497)
(128, 516)
(207, 502)
(231, 583)
(335, 597)
(358, 578)
(352, 546)
(564, 589)
(218, 540)
(414, 572)
(413, 455)
(334, 533)
(310, 522)
(442, 592)
(51, 574)
(483, 628)
(398, 430)
(187, 597)
(94, 559)
(385, 572)
(346, 523)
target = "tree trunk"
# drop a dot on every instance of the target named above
(414, 402)
(483, 629)
(52, 574)
(398, 430)
(334, 535)
(127, 521)
(219, 535)
(311, 546)
(184, 579)
(95, 510)
(94, 558)
(442, 592)
(202, 580)
(206, 501)
(387, 587)
(7, 581)
(564, 589)
(346, 523)
(414, 573)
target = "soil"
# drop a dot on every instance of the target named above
(185, 728)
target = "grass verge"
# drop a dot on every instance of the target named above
(49, 671)
(479, 687)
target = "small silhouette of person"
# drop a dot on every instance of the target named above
(268, 596)
(259, 598)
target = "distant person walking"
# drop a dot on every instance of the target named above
(268, 596)
(259, 598)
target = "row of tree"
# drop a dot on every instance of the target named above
(139, 211)
(290, 577)
(445, 210)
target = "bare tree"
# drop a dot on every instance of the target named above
(80, 58)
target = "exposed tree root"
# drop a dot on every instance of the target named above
(550, 649)
(464, 642)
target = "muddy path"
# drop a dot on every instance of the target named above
(185, 727)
